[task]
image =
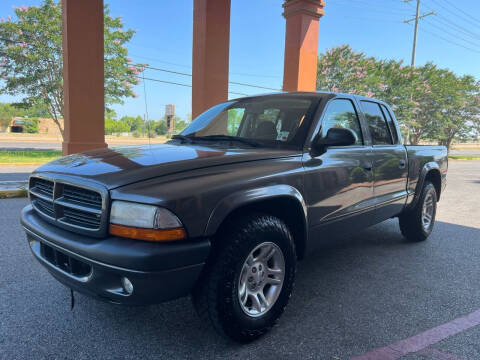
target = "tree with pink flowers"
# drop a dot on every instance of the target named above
(430, 103)
(31, 63)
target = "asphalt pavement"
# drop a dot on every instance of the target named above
(16, 172)
(355, 295)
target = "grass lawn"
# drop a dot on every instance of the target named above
(27, 157)
(461, 157)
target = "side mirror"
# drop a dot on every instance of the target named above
(335, 137)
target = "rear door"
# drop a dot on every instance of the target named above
(389, 161)
(338, 182)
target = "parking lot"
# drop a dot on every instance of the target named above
(354, 296)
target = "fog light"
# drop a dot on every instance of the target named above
(127, 285)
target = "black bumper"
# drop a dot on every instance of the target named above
(158, 272)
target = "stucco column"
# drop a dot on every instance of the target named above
(211, 38)
(301, 44)
(83, 75)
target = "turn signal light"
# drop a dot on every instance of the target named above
(148, 234)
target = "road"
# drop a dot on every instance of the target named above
(17, 145)
(354, 295)
(16, 172)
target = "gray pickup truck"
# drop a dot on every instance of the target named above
(224, 210)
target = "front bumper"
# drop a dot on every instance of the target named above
(95, 267)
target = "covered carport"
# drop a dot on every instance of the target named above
(83, 60)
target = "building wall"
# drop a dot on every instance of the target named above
(48, 126)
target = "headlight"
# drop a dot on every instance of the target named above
(144, 222)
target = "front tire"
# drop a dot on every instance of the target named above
(246, 288)
(417, 224)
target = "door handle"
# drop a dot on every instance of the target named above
(401, 164)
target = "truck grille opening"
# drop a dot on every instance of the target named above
(82, 196)
(64, 262)
(81, 218)
(42, 187)
(74, 207)
(45, 207)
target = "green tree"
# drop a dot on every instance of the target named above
(31, 126)
(430, 103)
(179, 124)
(456, 108)
(134, 123)
(161, 127)
(31, 58)
(9, 111)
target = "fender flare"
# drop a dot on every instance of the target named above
(427, 167)
(247, 197)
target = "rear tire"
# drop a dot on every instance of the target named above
(417, 224)
(248, 282)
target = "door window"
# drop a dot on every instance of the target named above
(234, 119)
(376, 123)
(341, 113)
(391, 124)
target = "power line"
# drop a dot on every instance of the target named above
(467, 16)
(452, 34)
(450, 41)
(189, 67)
(190, 75)
(186, 85)
(466, 31)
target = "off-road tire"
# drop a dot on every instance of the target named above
(411, 224)
(215, 296)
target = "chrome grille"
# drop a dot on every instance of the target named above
(74, 207)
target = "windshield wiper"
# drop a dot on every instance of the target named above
(183, 138)
(229, 138)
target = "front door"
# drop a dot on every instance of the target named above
(339, 182)
(389, 161)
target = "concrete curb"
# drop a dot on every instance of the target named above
(13, 189)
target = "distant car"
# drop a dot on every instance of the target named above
(224, 210)
(17, 125)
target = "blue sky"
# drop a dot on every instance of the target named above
(257, 33)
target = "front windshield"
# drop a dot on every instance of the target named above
(268, 120)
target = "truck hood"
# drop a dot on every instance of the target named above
(126, 165)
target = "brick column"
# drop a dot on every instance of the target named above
(211, 38)
(83, 75)
(301, 44)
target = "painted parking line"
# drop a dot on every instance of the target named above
(436, 354)
(423, 340)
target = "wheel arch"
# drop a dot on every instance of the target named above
(282, 201)
(430, 172)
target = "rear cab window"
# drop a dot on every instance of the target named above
(377, 123)
(391, 123)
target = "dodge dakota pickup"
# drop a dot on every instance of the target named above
(224, 210)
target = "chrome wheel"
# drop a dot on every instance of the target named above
(261, 279)
(428, 210)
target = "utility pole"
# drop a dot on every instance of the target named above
(416, 19)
